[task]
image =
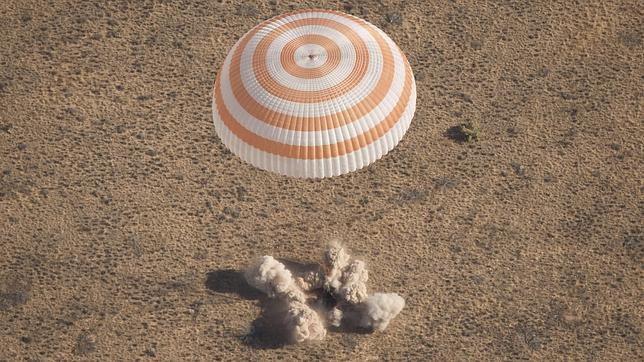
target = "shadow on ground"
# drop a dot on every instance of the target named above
(456, 134)
(268, 330)
(231, 281)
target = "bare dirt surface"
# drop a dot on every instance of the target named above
(124, 221)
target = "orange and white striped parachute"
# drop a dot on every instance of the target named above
(313, 93)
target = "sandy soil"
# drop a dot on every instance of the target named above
(124, 221)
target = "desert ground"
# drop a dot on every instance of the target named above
(125, 222)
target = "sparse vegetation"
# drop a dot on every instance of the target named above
(464, 132)
(393, 18)
(470, 131)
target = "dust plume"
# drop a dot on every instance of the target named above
(337, 291)
(271, 277)
(380, 309)
(346, 279)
